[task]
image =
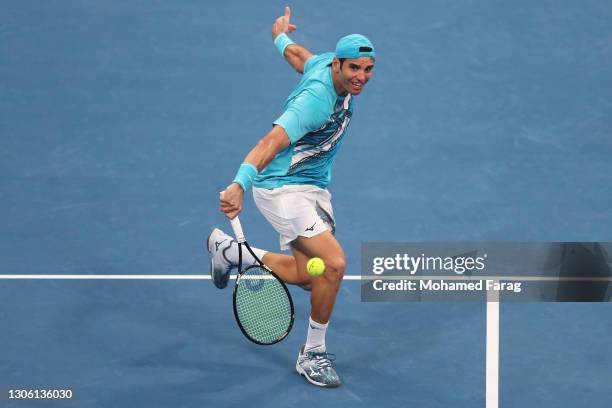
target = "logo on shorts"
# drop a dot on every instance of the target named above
(311, 228)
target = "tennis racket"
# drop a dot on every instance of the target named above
(262, 304)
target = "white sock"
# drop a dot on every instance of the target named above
(247, 259)
(316, 335)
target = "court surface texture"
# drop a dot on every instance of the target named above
(121, 122)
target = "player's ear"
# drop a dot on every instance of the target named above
(336, 65)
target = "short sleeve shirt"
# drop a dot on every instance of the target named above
(315, 119)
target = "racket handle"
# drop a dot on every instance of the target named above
(237, 227)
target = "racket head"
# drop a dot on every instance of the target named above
(263, 307)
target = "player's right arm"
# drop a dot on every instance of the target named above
(306, 113)
(296, 55)
(268, 147)
(260, 156)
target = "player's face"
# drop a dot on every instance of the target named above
(355, 73)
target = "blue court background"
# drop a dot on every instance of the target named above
(121, 121)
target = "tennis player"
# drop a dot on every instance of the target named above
(289, 170)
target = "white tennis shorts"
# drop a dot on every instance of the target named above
(296, 210)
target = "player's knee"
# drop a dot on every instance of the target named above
(334, 268)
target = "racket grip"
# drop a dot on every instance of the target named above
(237, 227)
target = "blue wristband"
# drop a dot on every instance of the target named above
(281, 42)
(246, 174)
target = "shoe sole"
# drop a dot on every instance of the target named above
(301, 372)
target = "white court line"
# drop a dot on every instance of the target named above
(492, 341)
(127, 277)
(346, 277)
(110, 277)
(492, 353)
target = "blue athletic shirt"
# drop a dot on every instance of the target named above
(315, 118)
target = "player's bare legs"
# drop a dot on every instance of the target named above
(326, 286)
(292, 270)
(224, 250)
(286, 268)
(313, 362)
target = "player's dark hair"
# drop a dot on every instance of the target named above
(341, 61)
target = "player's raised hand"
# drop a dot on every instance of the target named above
(282, 24)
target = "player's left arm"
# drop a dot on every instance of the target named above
(296, 55)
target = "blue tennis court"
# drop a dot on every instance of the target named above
(121, 122)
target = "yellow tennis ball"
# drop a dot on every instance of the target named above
(315, 266)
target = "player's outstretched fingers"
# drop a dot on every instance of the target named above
(290, 27)
(283, 24)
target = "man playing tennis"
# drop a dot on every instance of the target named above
(289, 169)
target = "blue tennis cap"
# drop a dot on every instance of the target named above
(355, 46)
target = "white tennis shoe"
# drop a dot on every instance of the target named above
(220, 267)
(318, 367)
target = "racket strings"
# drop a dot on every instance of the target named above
(262, 306)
